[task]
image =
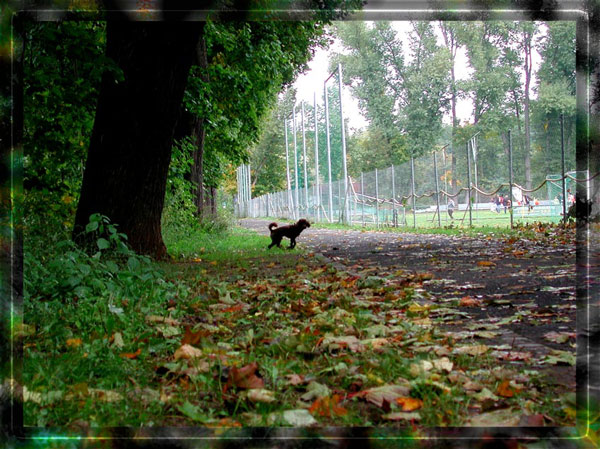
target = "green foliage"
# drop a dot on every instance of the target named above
(63, 65)
(62, 271)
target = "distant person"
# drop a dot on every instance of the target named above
(451, 206)
(570, 198)
(498, 204)
(527, 202)
(505, 202)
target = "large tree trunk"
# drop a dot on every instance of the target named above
(130, 149)
(528, 68)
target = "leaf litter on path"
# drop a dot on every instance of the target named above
(303, 343)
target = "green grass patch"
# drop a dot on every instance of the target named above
(101, 333)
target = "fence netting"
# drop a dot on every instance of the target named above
(422, 193)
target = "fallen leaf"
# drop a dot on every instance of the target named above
(315, 390)
(471, 350)
(469, 301)
(131, 355)
(486, 263)
(261, 395)
(402, 416)
(73, 342)
(118, 340)
(187, 352)
(385, 393)
(328, 406)
(350, 342)
(298, 418)
(498, 418)
(559, 337)
(168, 331)
(409, 404)
(192, 338)
(162, 319)
(506, 390)
(245, 377)
(295, 379)
(531, 421)
(443, 364)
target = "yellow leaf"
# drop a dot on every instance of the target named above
(409, 404)
(74, 342)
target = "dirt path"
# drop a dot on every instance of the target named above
(526, 286)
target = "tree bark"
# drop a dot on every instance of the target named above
(130, 149)
(528, 67)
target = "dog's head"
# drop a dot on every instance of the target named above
(302, 223)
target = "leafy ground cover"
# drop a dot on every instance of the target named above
(231, 334)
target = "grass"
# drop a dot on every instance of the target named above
(100, 354)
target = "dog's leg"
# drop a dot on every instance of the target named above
(292, 243)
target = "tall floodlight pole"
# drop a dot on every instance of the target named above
(347, 218)
(328, 151)
(317, 188)
(296, 199)
(510, 179)
(562, 160)
(437, 190)
(305, 176)
(414, 193)
(469, 184)
(287, 167)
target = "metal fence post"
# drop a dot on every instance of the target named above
(296, 196)
(437, 189)
(562, 160)
(317, 187)
(394, 216)
(287, 167)
(328, 152)
(344, 164)
(510, 179)
(304, 162)
(414, 193)
(469, 184)
(376, 200)
(362, 192)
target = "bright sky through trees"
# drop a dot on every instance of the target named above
(312, 80)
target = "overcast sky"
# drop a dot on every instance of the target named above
(312, 81)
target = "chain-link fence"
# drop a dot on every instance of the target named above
(422, 193)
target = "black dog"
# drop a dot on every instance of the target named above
(289, 231)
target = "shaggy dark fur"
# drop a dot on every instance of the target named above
(289, 231)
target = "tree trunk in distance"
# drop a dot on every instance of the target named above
(197, 170)
(130, 149)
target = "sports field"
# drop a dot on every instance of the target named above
(479, 217)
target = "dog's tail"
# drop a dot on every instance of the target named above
(272, 225)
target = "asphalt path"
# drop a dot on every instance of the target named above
(525, 285)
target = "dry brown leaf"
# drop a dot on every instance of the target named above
(385, 393)
(131, 355)
(162, 319)
(402, 416)
(327, 406)
(471, 349)
(245, 377)
(469, 301)
(187, 352)
(261, 395)
(294, 379)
